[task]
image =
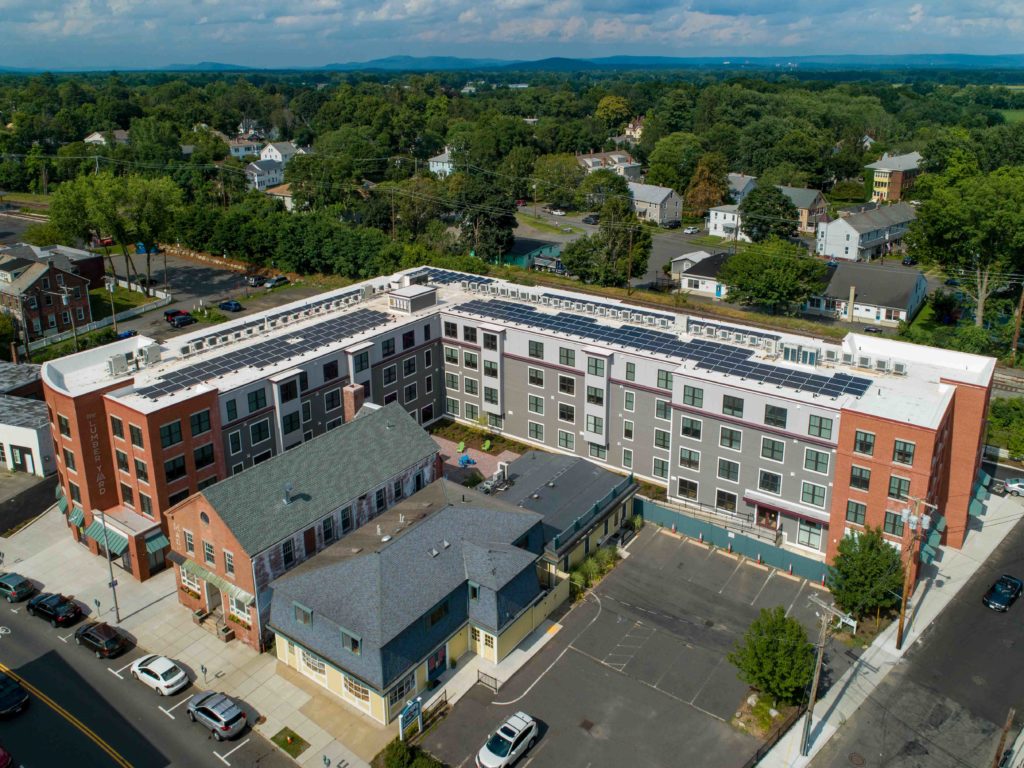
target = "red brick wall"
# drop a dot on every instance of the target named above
(970, 420)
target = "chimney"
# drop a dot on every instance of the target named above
(287, 494)
(849, 306)
(352, 397)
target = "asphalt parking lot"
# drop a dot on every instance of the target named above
(638, 673)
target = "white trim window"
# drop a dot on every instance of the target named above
(313, 666)
(190, 580)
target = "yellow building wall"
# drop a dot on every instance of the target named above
(530, 620)
(458, 644)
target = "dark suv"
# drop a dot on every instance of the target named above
(13, 698)
(55, 608)
(180, 321)
(102, 639)
(15, 587)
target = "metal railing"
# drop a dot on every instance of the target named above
(580, 522)
(774, 736)
(489, 680)
(739, 522)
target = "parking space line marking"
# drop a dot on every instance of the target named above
(168, 711)
(117, 672)
(802, 585)
(738, 566)
(770, 574)
(224, 758)
(705, 683)
(14, 610)
(65, 638)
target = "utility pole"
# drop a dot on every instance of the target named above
(110, 566)
(918, 524)
(1002, 739)
(629, 263)
(828, 611)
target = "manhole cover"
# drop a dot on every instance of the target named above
(586, 725)
(856, 758)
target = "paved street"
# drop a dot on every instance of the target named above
(22, 497)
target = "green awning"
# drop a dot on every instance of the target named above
(77, 516)
(981, 493)
(222, 584)
(984, 477)
(976, 508)
(62, 505)
(940, 526)
(156, 543)
(117, 543)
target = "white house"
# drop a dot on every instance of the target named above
(282, 192)
(241, 147)
(882, 294)
(653, 203)
(725, 221)
(864, 236)
(635, 129)
(740, 186)
(281, 152)
(262, 174)
(99, 138)
(25, 441)
(621, 163)
(442, 165)
(701, 275)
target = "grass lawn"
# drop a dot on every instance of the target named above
(543, 225)
(1012, 115)
(926, 321)
(25, 197)
(99, 300)
(211, 316)
(290, 742)
(710, 240)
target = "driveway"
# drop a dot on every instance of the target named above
(638, 675)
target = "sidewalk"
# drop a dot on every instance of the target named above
(939, 584)
(150, 614)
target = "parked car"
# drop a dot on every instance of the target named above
(671, 224)
(1003, 593)
(230, 306)
(161, 674)
(274, 282)
(108, 241)
(14, 587)
(180, 321)
(218, 713)
(909, 261)
(556, 212)
(6, 761)
(592, 218)
(55, 608)
(520, 203)
(1014, 486)
(514, 738)
(105, 641)
(127, 334)
(872, 329)
(690, 231)
(255, 281)
(13, 697)
(952, 281)
(170, 314)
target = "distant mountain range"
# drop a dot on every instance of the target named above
(823, 62)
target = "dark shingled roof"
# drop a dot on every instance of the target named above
(877, 285)
(14, 375)
(708, 267)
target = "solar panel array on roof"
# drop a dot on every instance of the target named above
(266, 353)
(570, 301)
(731, 330)
(446, 277)
(707, 355)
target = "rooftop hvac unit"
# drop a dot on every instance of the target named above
(755, 341)
(723, 334)
(464, 284)
(899, 369)
(695, 329)
(502, 474)
(864, 362)
(664, 322)
(881, 365)
(739, 338)
(117, 364)
(769, 345)
(831, 354)
(602, 311)
(847, 358)
(709, 331)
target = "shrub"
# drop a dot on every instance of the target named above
(589, 570)
(605, 558)
(397, 754)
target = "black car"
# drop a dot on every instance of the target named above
(180, 321)
(671, 224)
(55, 608)
(105, 641)
(1003, 593)
(230, 306)
(593, 218)
(909, 261)
(872, 329)
(13, 697)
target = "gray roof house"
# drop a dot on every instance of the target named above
(866, 235)
(740, 185)
(885, 295)
(264, 173)
(653, 203)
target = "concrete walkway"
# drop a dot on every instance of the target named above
(940, 582)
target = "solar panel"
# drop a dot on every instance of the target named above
(447, 277)
(629, 310)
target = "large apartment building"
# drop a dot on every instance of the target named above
(807, 437)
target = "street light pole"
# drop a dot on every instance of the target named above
(110, 565)
(66, 301)
(111, 288)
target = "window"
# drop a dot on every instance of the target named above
(595, 366)
(307, 411)
(627, 430)
(472, 412)
(141, 472)
(664, 379)
(231, 407)
(117, 427)
(409, 366)
(693, 396)
(816, 461)
(451, 406)
(490, 395)
(689, 458)
(630, 371)
(687, 489)
(469, 360)
(471, 386)
(170, 434)
(387, 348)
(567, 385)
(893, 523)
(289, 391)
(903, 452)
(203, 456)
(598, 451)
(731, 438)
(662, 438)
(380, 499)
(258, 400)
(729, 470)
(451, 382)
(567, 357)
(725, 501)
(190, 544)
(438, 614)
(566, 440)
(855, 512)
(328, 529)
(360, 361)
(775, 416)
(288, 553)
(536, 431)
(69, 460)
(860, 478)
(809, 534)
(660, 469)
(691, 428)
(495, 421)
(346, 519)
(451, 330)
(410, 392)
(491, 369)
(145, 504)
(864, 443)
(64, 425)
(206, 482)
(536, 404)
(820, 426)
(732, 406)
(398, 694)
(303, 615)
(663, 410)
(769, 482)
(812, 494)
(629, 400)
(595, 395)
(127, 495)
(136, 435)
(209, 557)
(490, 341)
(595, 424)
(190, 581)
(332, 400)
(536, 349)
(389, 375)
(259, 432)
(408, 339)
(330, 371)
(566, 413)
(899, 488)
(174, 469)
(627, 458)
(451, 355)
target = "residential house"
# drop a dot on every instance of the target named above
(740, 186)
(894, 176)
(684, 261)
(251, 128)
(385, 613)
(701, 277)
(652, 203)
(75, 260)
(25, 443)
(864, 236)
(443, 164)
(244, 147)
(881, 294)
(282, 192)
(635, 129)
(811, 206)
(619, 162)
(725, 221)
(281, 152)
(42, 299)
(230, 540)
(101, 138)
(262, 174)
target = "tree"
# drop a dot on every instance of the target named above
(599, 187)
(775, 656)
(866, 575)
(557, 178)
(774, 275)
(106, 205)
(151, 209)
(488, 215)
(973, 228)
(614, 111)
(516, 169)
(766, 212)
(7, 335)
(674, 160)
(709, 185)
(618, 252)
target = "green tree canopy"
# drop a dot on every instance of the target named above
(599, 187)
(867, 574)
(709, 185)
(617, 253)
(614, 111)
(557, 178)
(775, 656)
(766, 212)
(674, 160)
(774, 275)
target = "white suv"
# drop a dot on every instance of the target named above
(1015, 487)
(514, 737)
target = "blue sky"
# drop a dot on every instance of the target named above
(283, 33)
